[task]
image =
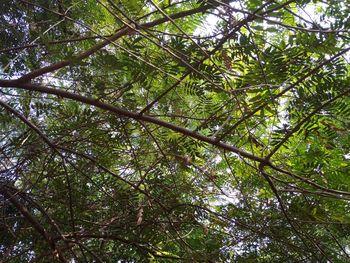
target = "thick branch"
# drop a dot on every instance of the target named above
(129, 114)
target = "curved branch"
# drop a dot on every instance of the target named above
(121, 32)
(129, 114)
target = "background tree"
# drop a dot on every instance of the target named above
(174, 131)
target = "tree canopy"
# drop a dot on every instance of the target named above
(174, 131)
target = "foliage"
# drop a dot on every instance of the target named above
(174, 131)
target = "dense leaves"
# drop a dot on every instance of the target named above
(174, 131)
